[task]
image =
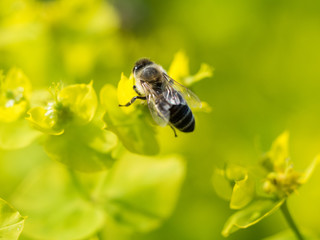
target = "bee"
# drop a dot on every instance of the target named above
(169, 102)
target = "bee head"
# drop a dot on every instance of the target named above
(141, 64)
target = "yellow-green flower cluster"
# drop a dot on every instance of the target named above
(282, 179)
(15, 100)
(15, 93)
(279, 181)
(77, 103)
(73, 128)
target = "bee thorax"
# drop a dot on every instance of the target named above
(150, 74)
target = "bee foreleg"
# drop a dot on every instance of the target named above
(136, 90)
(174, 131)
(132, 101)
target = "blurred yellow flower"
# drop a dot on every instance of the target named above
(282, 179)
(15, 91)
(77, 103)
(235, 184)
(179, 70)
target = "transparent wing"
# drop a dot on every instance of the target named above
(158, 106)
(176, 94)
(172, 95)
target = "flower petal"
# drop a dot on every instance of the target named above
(44, 122)
(179, 67)
(125, 92)
(243, 192)
(205, 71)
(308, 172)
(278, 156)
(82, 101)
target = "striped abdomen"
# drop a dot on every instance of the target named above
(182, 118)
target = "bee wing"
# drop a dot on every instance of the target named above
(159, 109)
(172, 95)
(176, 94)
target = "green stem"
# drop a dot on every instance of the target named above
(289, 219)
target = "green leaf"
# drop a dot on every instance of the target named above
(56, 206)
(82, 101)
(115, 230)
(250, 215)
(16, 134)
(243, 192)
(133, 129)
(85, 148)
(11, 222)
(141, 192)
(221, 184)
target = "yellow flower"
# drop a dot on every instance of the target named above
(15, 91)
(76, 102)
(179, 71)
(125, 92)
(282, 179)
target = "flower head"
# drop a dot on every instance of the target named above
(282, 179)
(76, 103)
(15, 91)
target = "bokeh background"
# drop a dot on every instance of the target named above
(266, 57)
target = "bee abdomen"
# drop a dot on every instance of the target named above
(182, 118)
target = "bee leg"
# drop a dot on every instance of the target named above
(132, 101)
(174, 131)
(136, 90)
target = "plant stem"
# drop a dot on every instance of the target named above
(289, 219)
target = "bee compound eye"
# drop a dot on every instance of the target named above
(136, 68)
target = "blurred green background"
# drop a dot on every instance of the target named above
(266, 56)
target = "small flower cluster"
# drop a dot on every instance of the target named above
(282, 179)
(257, 198)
